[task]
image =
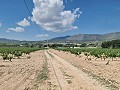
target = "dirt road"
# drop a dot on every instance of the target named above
(64, 76)
(108, 75)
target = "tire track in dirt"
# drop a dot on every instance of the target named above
(50, 60)
(70, 77)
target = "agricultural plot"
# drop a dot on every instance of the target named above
(9, 53)
(96, 53)
(21, 73)
(104, 70)
(56, 70)
(65, 76)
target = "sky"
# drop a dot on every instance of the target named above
(55, 18)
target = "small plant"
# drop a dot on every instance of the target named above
(69, 81)
(10, 57)
(5, 56)
(18, 54)
(28, 57)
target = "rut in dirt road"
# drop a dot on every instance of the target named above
(67, 77)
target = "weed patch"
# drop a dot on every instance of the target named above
(43, 75)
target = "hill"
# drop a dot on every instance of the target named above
(72, 39)
(4, 40)
(87, 37)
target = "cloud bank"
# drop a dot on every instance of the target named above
(51, 16)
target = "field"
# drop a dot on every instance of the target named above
(96, 67)
(8, 53)
(62, 69)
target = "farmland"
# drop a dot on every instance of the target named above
(95, 52)
(8, 53)
(100, 64)
(59, 69)
(60, 45)
(20, 72)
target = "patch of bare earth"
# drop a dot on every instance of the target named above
(20, 74)
(106, 75)
(65, 76)
(54, 70)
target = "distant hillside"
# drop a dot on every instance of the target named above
(87, 37)
(11, 41)
(4, 40)
(72, 39)
(111, 36)
(59, 39)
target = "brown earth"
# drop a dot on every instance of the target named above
(54, 70)
(108, 75)
(68, 77)
(20, 74)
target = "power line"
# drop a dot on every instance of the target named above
(31, 15)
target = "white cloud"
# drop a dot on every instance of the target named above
(51, 16)
(42, 35)
(0, 24)
(17, 29)
(24, 23)
(29, 18)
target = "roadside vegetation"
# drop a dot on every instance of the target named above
(43, 75)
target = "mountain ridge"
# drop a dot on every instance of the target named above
(73, 38)
(89, 37)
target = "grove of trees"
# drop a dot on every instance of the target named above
(111, 44)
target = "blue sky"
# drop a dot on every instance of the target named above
(58, 18)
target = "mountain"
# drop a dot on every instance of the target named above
(87, 37)
(4, 40)
(72, 39)
(59, 39)
(111, 36)
(11, 41)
